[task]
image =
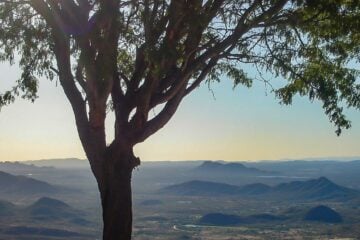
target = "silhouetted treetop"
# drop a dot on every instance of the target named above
(151, 52)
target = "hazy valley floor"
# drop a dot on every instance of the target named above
(211, 201)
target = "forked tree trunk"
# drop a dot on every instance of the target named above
(116, 197)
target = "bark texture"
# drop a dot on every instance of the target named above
(116, 194)
(116, 202)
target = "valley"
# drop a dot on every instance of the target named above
(187, 200)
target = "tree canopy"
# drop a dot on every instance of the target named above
(156, 43)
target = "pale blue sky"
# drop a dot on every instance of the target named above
(241, 124)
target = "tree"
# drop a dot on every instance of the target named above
(135, 56)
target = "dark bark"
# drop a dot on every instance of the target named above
(116, 195)
(117, 208)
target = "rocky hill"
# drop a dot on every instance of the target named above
(311, 190)
(323, 214)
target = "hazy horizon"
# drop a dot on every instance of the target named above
(329, 158)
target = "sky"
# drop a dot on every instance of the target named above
(218, 124)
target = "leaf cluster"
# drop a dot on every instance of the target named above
(24, 38)
(150, 53)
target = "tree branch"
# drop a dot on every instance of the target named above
(161, 119)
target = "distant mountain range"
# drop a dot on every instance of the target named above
(320, 213)
(21, 185)
(20, 168)
(228, 168)
(51, 209)
(44, 209)
(62, 163)
(37, 216)
(309, 168)
(315, 189)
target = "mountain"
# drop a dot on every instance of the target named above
(11, 184)
(61, 163)
(227, 168)
(51, 209)
(323, 214)
(315, 189)
(43, 210)
(19, 168)
(311, 190)
(6, 208)
(345, 173)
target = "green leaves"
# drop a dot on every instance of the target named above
(233, 72)
(26, 37)
(26, 87)
(159, 46)
(7, 98)
(317, 55)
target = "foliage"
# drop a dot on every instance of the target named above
(327, 52)
(312, 44)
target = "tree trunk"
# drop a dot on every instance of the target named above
(116, 196)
